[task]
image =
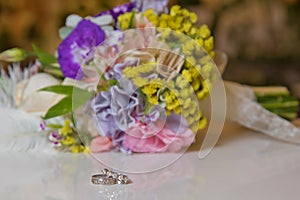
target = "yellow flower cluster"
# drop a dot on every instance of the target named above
(136, 73)
(151, 90)
(172, 101)
(197, 72)
(70, 140)
(79, 149)
(125, 20)
(199, 78)
(66, 129)
(198, 69)
(187, 86)
(156, 90)
(181, 20)
(176, 94)
(133, 72)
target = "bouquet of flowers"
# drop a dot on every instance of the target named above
(133, 79)
(141, 70)
(145, 70)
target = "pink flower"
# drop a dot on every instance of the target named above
(143, 35)
(100, 144)
(141, 138)
(141, 21)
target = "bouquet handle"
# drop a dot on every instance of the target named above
(243, 109)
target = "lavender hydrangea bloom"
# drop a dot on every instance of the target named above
(77, 46)
(101, 107)
(114, 109)
(105, 121)
(160, 6)
(118, 10)
(123, 104)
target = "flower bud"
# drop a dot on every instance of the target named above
(13, 55)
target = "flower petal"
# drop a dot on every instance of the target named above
(100, 144)
(77, 46)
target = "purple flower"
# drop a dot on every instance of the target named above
(123, 103)
(43, 125)
(160, 6)
(118, 10)
(114, 111)
(105, 121)
(77, 46)
(54, 134)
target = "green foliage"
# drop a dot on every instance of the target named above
(43, 57)
(75, 97)
(277, 100)
(59, 89)
(63, 107)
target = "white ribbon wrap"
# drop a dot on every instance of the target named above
(243, 109)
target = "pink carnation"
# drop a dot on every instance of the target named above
(140, 138)
(100, 144)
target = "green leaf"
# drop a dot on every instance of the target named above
(75, 98)
(270, 91)
(274, 99)
(66, 90)
(49, 62)
(54, 71)
(59, 89)
(112, 82)
(280, 104)
(288, 116)
(63, 107)
(80, 97)
(43, 56)
(131, 20)
(284, 110)
(54, 126)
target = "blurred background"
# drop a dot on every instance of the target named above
(261, 37)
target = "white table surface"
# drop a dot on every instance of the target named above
(244, 165)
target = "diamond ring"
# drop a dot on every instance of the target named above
(108, 177)
(102, 179)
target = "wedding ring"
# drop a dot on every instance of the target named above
(105, 171)
(102, 179)
(123, 179)
(108, 177)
